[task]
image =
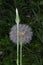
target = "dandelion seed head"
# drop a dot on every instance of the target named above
(25, 32)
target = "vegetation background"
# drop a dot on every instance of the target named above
(31, 13)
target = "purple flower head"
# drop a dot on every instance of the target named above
(25, 32)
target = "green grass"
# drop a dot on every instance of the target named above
(31, 13)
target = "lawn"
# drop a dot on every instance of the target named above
(31, 13)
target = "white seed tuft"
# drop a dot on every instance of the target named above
(25, 32)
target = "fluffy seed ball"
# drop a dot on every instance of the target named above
(25, 32)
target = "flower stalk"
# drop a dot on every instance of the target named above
(17, 44)
(21, 52)
(17, 22)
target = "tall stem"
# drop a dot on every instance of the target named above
(21, 52)
(17, 43)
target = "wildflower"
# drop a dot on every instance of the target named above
(25, 32)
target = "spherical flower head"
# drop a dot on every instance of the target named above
(25, 33)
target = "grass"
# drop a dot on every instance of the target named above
(31, 13)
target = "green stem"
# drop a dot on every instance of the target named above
(18, 44)
(21, 52)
